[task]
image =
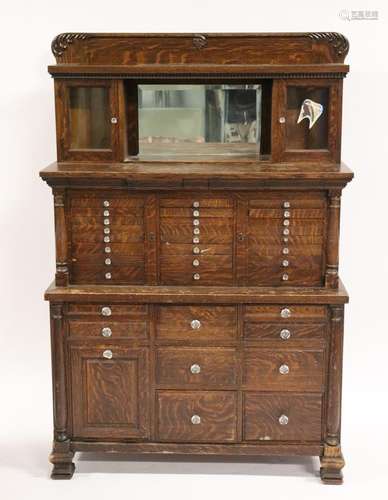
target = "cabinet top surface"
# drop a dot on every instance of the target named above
(196, 53)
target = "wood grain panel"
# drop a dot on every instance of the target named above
(261, 370)
(216, 409)
(216, 322)
(109, 396)
(120, 329)
(218, 367)
(271, 331)
(262, 413)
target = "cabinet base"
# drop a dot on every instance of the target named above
(332, 462)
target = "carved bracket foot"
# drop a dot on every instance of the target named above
(61, 458)
(332, 463)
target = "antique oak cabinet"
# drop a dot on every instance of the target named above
(197, 307)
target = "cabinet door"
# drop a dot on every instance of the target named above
(109, 391)
(307, 120)
(87, 120)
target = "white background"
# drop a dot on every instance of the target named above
(27, 135)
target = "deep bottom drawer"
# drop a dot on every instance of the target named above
(208, 417)
(282, 417)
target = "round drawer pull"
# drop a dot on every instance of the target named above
(195, 213)
(106, 311)
(196, 276)
(287, 214)
(196, 222)
(195, 419)
(283, 420)
(286, 231)
(107, 250)
(286, 222)
(195, 262)
(286, 251)
(106, 213)
(108, 276)
(196, 250)
(108, 262)
(106, 222)
(195, 204)
(282, 119)
(106, 230)
(285, 313)
(285, 263)
(285, 334)
(195, 324)
(106, 239)
(196, 230)
(284, 369)
(286, 204)
(195, 240)
(195, 369)
(108, 354)
(285, 277)
(106, 332)
(106, 203)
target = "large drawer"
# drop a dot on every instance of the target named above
(283, 370)
(197, 323)
(282, 417)
(195, 417)
(194, 366)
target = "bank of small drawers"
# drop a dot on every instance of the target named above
(272, 357)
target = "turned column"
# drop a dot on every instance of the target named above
(61, 456)
(61, 243)
(332, 245)
(332, 460)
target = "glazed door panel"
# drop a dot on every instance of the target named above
(87, 120)
(109, 391)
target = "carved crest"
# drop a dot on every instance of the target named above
(199, 41)
(337, 40)
(62, 41)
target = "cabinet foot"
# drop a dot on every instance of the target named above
(61, 458)
(332, 463)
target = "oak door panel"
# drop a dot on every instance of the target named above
(109, 396)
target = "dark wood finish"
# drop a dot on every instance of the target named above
(262, 413)
(109, 396)
(197, 306)
(217, 411)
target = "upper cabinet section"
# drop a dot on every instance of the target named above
(193, 97)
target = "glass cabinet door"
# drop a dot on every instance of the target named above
(308, 120)
(88, 121)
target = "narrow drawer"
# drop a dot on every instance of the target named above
(282, 417)
(285, 313)
(197, 323)
(283, 370)
(210, 367)
(195, 417)
(105, 311)
(284, 333)
(108, 330)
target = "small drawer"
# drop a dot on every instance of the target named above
(283, 370)
(104, 311)
(197, 323)
(197, 417)
(281, 332)
(177, 367)
(282, 417)
(285, 313)
(108, 330)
